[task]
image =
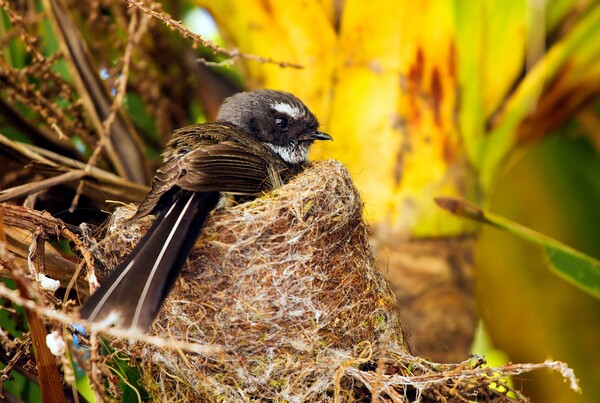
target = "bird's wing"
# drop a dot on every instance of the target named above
(229, 167)
(214, 165)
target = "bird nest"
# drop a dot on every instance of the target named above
(287, 287)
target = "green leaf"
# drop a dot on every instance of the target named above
(582, 271)
(577, 268)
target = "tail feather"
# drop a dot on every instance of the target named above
(134, 292)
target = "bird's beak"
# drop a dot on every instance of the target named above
(316, 135)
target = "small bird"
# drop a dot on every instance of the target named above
(259, 140)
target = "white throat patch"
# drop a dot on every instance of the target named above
(292, 154)
(287, 109)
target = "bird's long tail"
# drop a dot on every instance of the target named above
(134, 292)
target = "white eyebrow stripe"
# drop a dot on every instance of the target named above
(290, 110)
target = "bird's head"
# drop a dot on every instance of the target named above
(278, 119)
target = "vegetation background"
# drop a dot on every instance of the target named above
(492, 101)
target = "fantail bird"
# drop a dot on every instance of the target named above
(259, 139)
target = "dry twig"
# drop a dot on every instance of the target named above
(155, 10)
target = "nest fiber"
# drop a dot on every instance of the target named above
(287, 284)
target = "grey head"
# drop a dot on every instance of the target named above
(278, 119)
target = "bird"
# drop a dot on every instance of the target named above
(259, 140)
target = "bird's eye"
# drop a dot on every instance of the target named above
(282, 122)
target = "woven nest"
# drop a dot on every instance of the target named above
(287, 284)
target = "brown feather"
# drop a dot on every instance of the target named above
(214, 157)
